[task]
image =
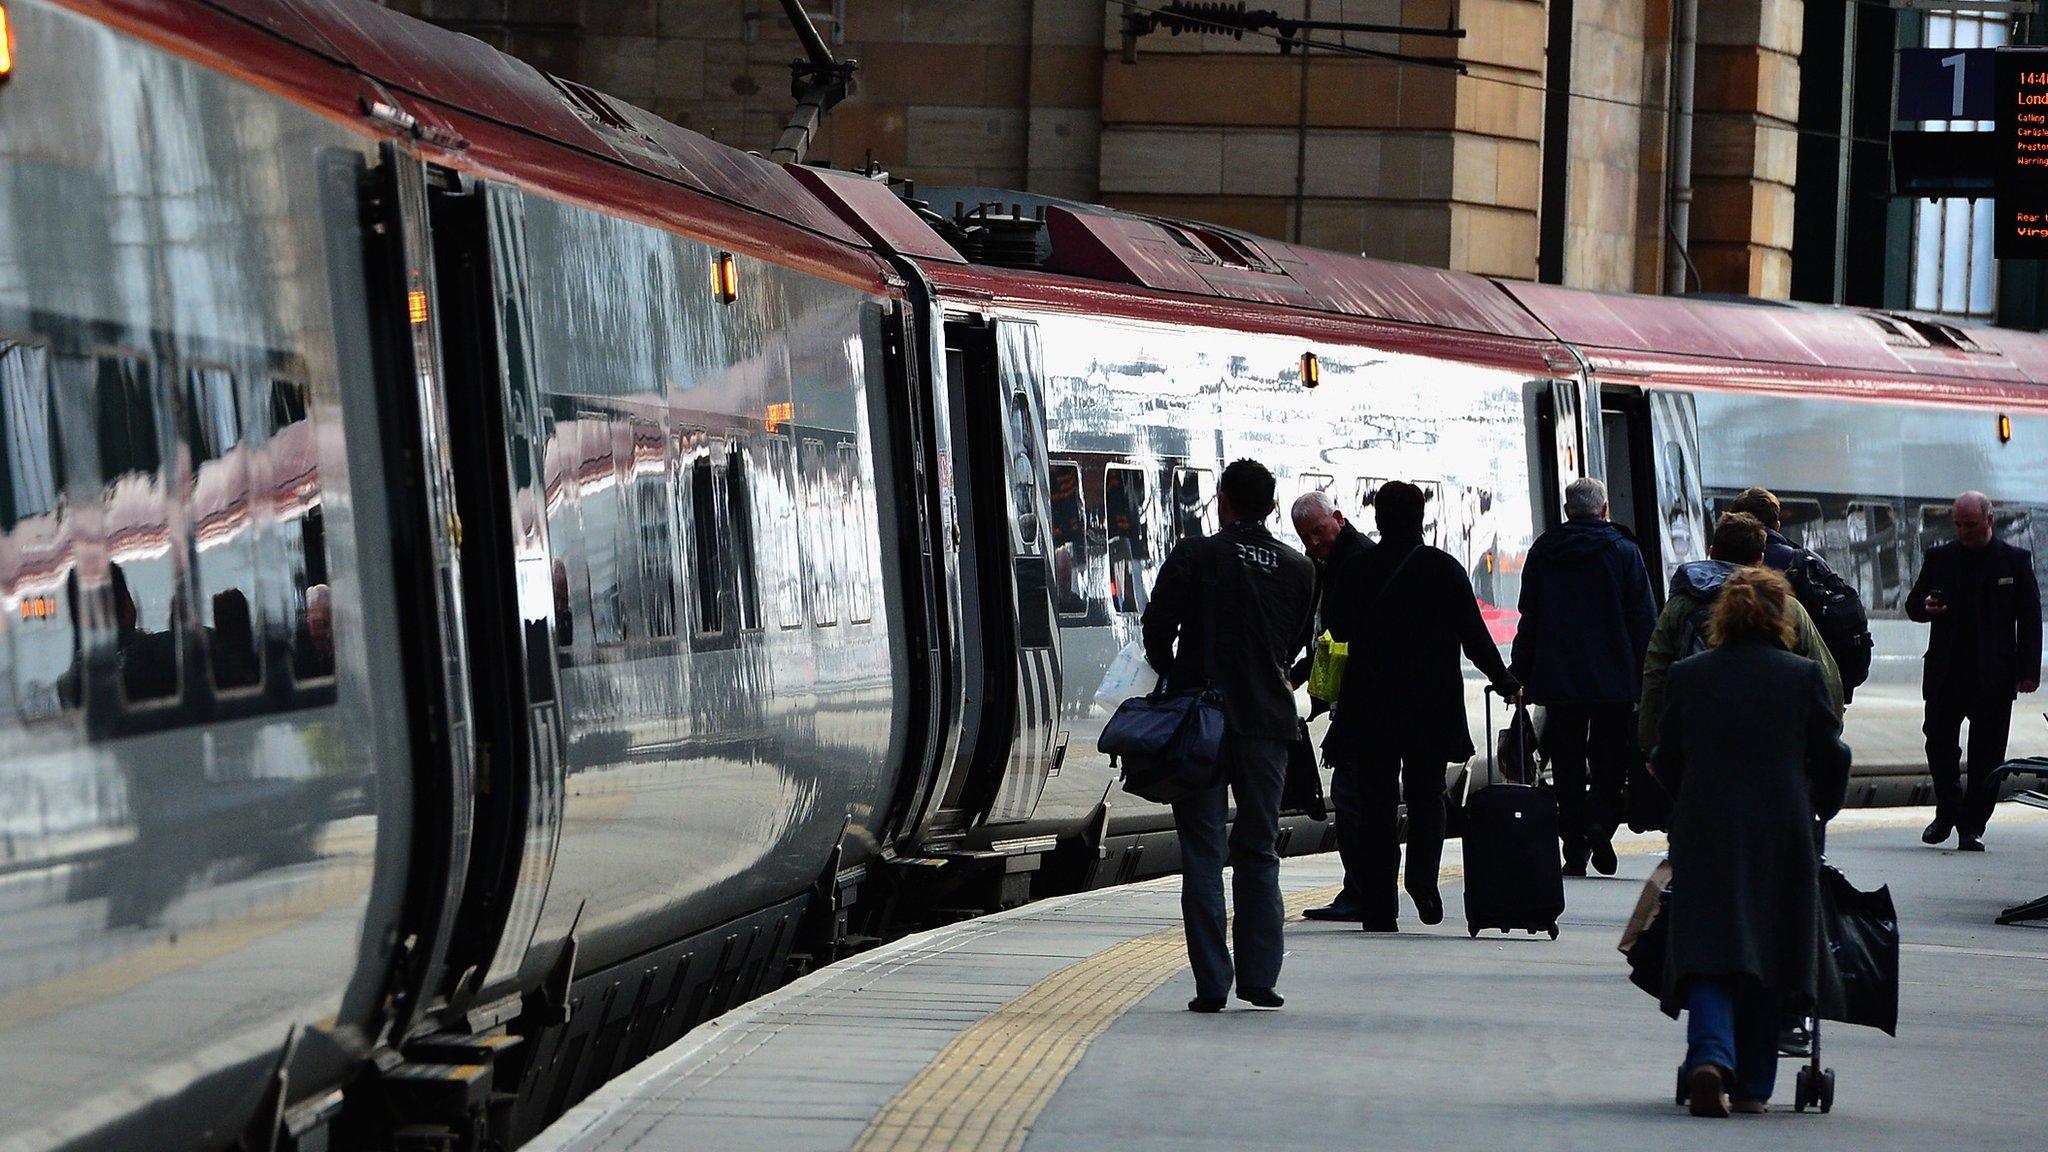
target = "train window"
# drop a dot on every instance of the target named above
(31, 468)
(853, 524)
(1937, 525)
(1194, 503)
(740, 508)
(781, 535)
(1872, 556)
(1432, 511)
(224, 539)
(1128, 524)
(708, 570)
(653, 513)
(41, 655)
(597, 485)
(1314, 482)
(142, 574)
(1802, 521)
(821, 546)
(1363, 517)
(292, 453)
(1069, 539)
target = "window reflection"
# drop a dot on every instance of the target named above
(597, 485)
(1129, 536)
(821, 548)
(1069, 539)
(740, 508)
(142, 565)
(293, 459)
(224, 544)
(853, 525)
(35, 554)
(708, 555)
(652, 512)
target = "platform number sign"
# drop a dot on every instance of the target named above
(1947, 83)
(2021, 143)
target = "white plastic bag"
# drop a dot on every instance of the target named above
(1128, 675)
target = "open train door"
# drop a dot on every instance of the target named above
(1651, 454)
(995, 378)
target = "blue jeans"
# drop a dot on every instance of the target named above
(1256, 770)
(1733, 1024)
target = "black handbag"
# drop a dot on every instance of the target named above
(1169, 744)
(1859, 964)
(1301, 794)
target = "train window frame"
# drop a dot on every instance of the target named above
(656, 560)
(708, 562)
(1127, 595)
(856, 575)
(779, 456)
(1203, 516)
(593, 423)
(1070, 536)
(740, 513)
(821, 584)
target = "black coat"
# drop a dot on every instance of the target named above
(1233, 609)
(2005, 611)
(1751, 752)
(1403, 685)
(1587, 613)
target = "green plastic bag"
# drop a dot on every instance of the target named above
(1326, 673)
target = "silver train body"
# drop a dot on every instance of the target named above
(470, 613)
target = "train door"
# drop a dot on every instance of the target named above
(1650, 451)
(995, 378)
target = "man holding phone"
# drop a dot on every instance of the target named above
(1980, 595)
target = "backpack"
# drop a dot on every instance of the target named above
(1838, 614)
(1692, 634)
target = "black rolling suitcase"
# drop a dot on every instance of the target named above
(1514, 876)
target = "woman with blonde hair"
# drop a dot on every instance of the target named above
(1750, 748)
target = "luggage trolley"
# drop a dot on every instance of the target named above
(1814, 1087)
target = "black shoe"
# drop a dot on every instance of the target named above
(1795, 1042)
(1706, 1093)
(1334, 912)
(1937, 831)
(1575, 867)
(1429, 906)
(1261, 997)
(1969, 844)
(1205, 1004)
(1381, 926)
(1603, 858)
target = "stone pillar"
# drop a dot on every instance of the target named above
(1746, 145)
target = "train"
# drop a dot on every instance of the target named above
(491, 579)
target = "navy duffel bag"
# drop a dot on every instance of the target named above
(1169, 743)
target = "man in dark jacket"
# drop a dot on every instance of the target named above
(1233, 610)
(1762, 503)
(1331, 541)
(1586, 619)
(1980, 594)
(1406, 609)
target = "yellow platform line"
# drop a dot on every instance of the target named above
(984, 1090)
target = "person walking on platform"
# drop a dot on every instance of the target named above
(1406, 609)
(1233, 610)
(1750, 747)
(1980, 595)
(1331, 541)
(1682, 631)
(1586, 619)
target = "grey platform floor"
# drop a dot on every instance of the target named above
(1423, 1040)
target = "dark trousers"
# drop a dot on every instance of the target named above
(1589, 746)
(1967, 807)
(1387, 778)
(1256, 770)
(1348, 795)
(1733, 1024)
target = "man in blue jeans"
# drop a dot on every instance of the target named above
(1233, 610)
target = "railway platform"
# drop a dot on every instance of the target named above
(1061, 1025)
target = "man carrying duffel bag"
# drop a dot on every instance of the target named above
(1231, 612)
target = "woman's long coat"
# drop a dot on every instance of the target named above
(1752, 752)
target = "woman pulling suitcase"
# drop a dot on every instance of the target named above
(1750, 748)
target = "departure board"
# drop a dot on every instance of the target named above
(2021, 144)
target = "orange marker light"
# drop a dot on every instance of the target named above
(2004, 428)
(726, 279)
(1311, 370)
(416, 305)
(779, 413)
(6, 44)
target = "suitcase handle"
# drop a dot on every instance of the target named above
(1520, 714)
